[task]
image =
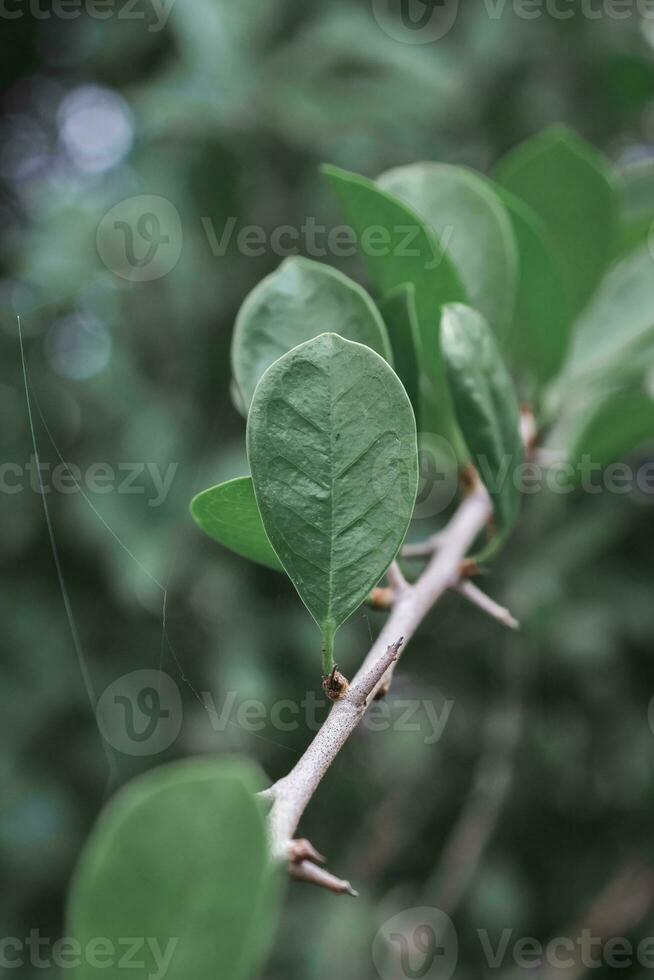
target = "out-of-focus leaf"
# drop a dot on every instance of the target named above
(299, 301)
(618, 326)
(636, 189)
(398, 247)
(180, 859)
(572, 189)
(333, 452)
(486, 408)
(541, 330)
(360, 90)
(615, 425)
(229, 514)
(399, 312)
(469, 219)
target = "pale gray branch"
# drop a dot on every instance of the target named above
(313, 873)
(486, 604)
(291, 794)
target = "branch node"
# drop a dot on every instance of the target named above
(303, 850)
(335, 685)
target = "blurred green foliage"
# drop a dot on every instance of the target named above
(227, 113)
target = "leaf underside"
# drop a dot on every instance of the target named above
(466, 214)
(299, 301)
(332, 448)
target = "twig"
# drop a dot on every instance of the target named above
(488, 605)
(307, 871)
(291, 794)
(423, 549)
(396, 579)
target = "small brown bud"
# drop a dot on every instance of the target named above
(381, 598)
(468, 479)
(335, 685)
(469, 568)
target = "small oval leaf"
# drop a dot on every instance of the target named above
(469, 219)
(229, 514)
(301, 300)
(179, 858)
(486, 408)
(333, 451)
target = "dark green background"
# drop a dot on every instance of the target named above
(232, 108)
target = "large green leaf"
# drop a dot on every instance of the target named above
(541, 331)
(399, 312)
(468, 217)
(297, 302)
(486, 407)
(179, 859)
(398, 247)
(332, 446)
(229, 514)
(636, 189)
(572, 189)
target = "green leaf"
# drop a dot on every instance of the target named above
(467, 216)
(540, 336)
(486, 408)
(332, 446)
(299, 301)
(229, 514)
(397, 248)
(636, 190)
(572, 189)
(399, 312)
(615, 425)
(179, 859)
(616, 328)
